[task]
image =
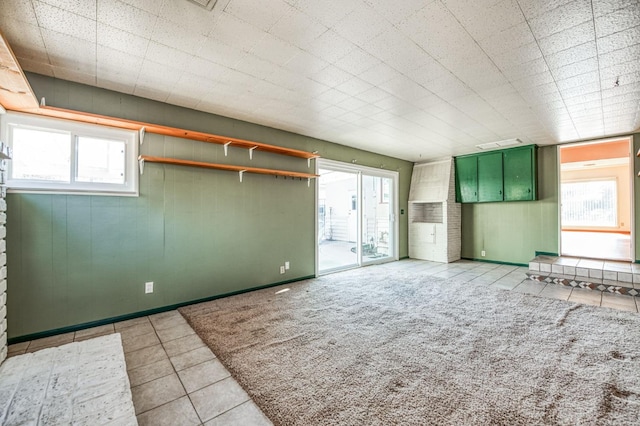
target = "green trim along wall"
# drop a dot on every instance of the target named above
(514, 232)
(74, 259)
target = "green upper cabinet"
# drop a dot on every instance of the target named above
(504, 175)
(466, 179)
(519, 174)
(490, 177)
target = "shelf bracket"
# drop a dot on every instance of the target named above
(251, 152)
(226, 148)
(141, 164)
(141, 135)
(241, 172)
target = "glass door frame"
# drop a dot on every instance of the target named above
(359, 171)
(632, 176)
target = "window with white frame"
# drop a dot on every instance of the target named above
(590, 203)
(69, 157)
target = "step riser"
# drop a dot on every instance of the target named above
(622, 288)
(547, 269)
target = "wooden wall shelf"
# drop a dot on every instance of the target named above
(122, 123)
(240, 169)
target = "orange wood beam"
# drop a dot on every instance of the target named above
(15, 91)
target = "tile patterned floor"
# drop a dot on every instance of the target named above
(176, 379)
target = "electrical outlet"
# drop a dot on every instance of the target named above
(483, 253)
(282, 269)
(148, 287)
(286, 265)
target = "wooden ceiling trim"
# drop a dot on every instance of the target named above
(15, 90)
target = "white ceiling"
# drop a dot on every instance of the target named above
(414, 79)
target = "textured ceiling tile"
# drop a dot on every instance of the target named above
(482, 21)
(395, 12)
(151, 6)
(25, 40)
(272, 49)
(127, 18)
(379, 74)
(70, 52)
(184, 12)
(517, 36)
(579, 80)
(561, 18)
(582, 67)
(568, 38)
(73, 75)
(121, 40)
(177, 36)
(619, 56)
(260, 14)
(619, 40)
(298, 29)
(115, 61)
(354, 86)
(604, 7)
(619, 20)
(86, 8)
(361, 25)
(204, 68)
(118, 83)
(226, 31)
(404, 88)
(256, 67)
(534, 8)
(357, 61)
(220, 53)
(61, 21)
(166, 55)
(571, 55)
(331, 76)
(588, 88)
(613, 73)
(327, 12)
(18, 10)
(517, 56)
(528, 69)
(330, 46)
(306, 64)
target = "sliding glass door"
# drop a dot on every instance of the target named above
(356, 212)
(377, 223)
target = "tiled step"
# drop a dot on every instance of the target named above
(598, 275)
(600, 269)
(605, 286)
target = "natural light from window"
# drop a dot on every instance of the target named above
(590, 203)
(64, 156)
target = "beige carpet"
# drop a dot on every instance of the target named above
(379, 347)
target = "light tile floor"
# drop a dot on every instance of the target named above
(175, 378)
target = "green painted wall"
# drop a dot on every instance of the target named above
(195, 233)
(514, 231)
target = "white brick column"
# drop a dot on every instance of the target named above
(4, 155)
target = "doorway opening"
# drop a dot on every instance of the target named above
(596, 200)
(355, 216)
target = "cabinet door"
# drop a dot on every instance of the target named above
(466, 179)
(519, 174)
(490, 177)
